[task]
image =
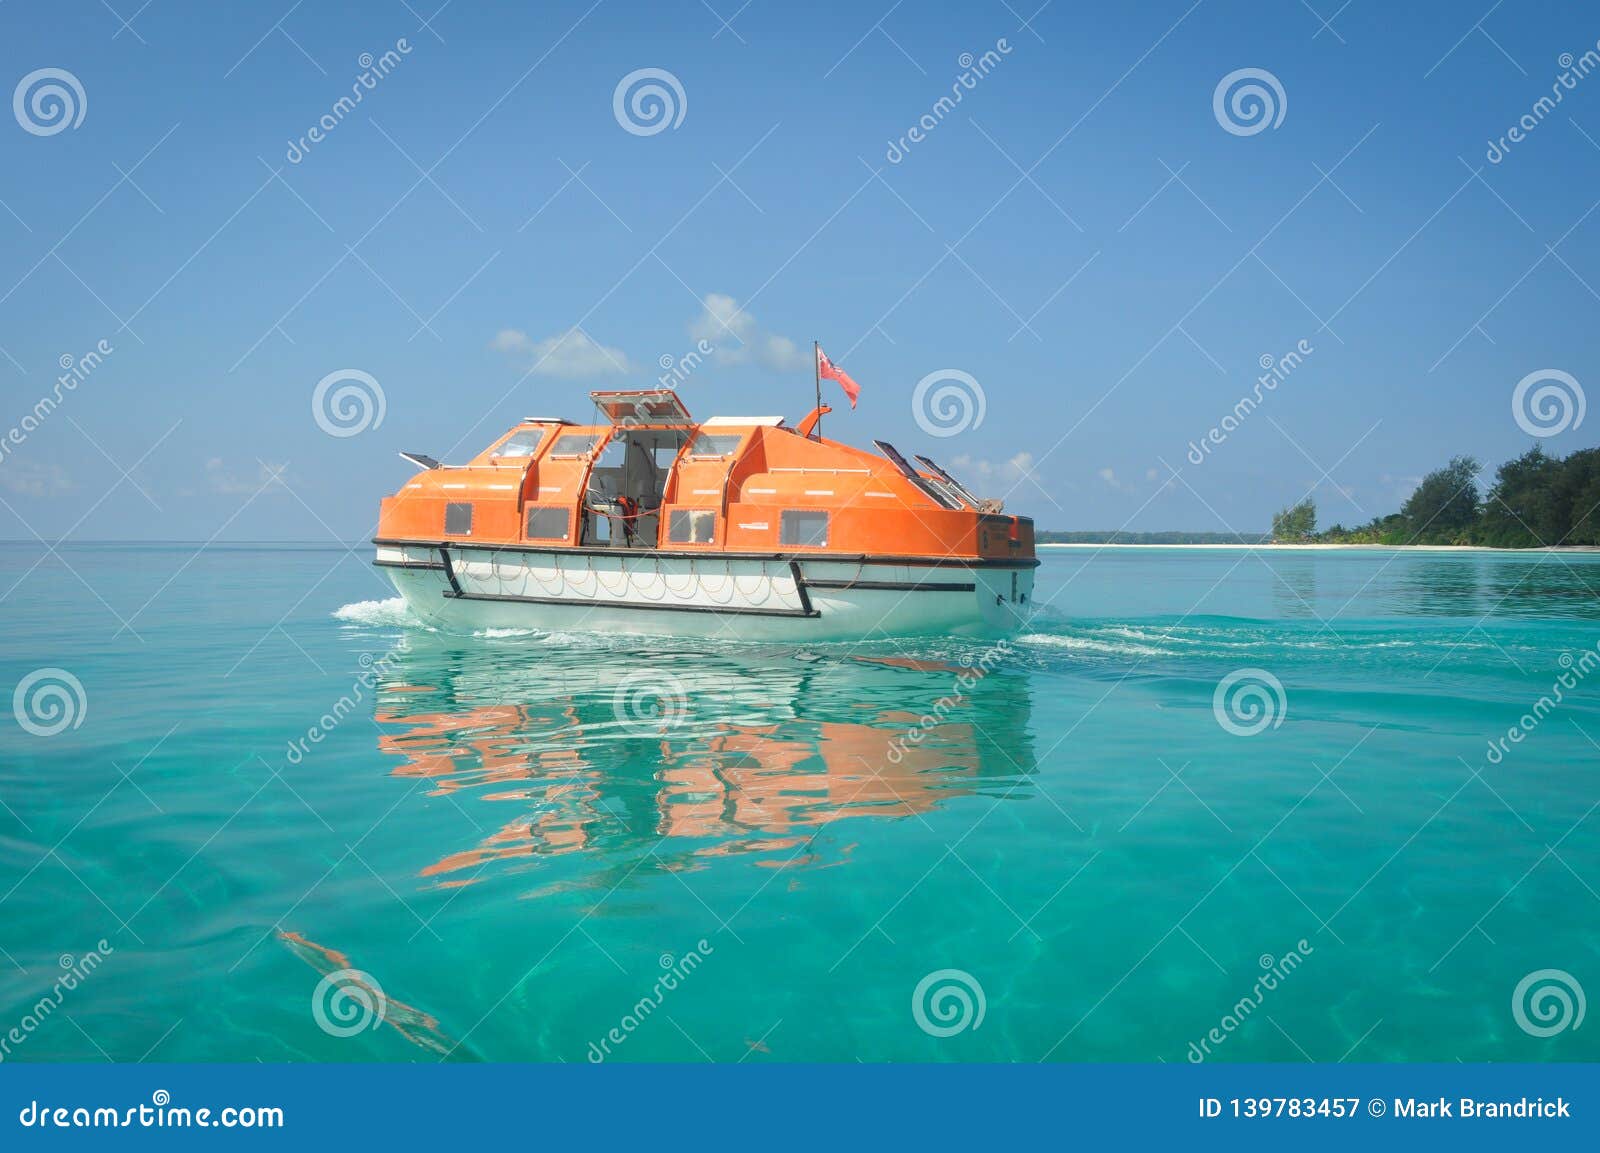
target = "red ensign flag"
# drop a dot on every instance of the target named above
(830, 371)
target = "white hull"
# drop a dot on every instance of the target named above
(467, 589)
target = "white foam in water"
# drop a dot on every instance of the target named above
(386, 612)
(1089, 644)
(498, 634)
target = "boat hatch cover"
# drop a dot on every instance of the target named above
(941, 498)
(649, 406)
(961, 490)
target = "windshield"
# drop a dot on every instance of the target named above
(524, 442)
(574, 444)
(723, 445)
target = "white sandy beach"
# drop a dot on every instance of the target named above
(1326, 547)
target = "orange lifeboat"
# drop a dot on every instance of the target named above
(739, 527)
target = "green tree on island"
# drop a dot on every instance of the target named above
(1298, 522)
(1446, 505)
(1536, 501)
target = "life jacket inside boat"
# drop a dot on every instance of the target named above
(650, 477)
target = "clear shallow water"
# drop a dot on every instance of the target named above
(504, 836)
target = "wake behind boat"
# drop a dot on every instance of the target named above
(737, 526)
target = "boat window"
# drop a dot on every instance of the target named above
(522, 443)
(803, 527)
(548, 523)
(715, 446)
(574, 444)
(691, 526)
(458, 518)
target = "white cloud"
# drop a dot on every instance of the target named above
(1014, 469)
(573, 353)
(1109, 476)
(269, 478)
(738, 339)
(29, 479)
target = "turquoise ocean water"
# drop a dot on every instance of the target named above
(270, 775)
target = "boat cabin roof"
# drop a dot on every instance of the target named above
(648, 475)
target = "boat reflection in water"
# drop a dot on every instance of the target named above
(688, 755)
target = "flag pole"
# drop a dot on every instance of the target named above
(816, 370)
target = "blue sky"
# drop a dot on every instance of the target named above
(1081, 236)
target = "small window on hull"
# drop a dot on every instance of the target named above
(803, 527)
(458, 518)
(549, 523)
(691, 526)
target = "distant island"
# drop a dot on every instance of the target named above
(1536, 501)
(1122, 537)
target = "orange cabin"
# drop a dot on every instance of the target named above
(651, 478)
